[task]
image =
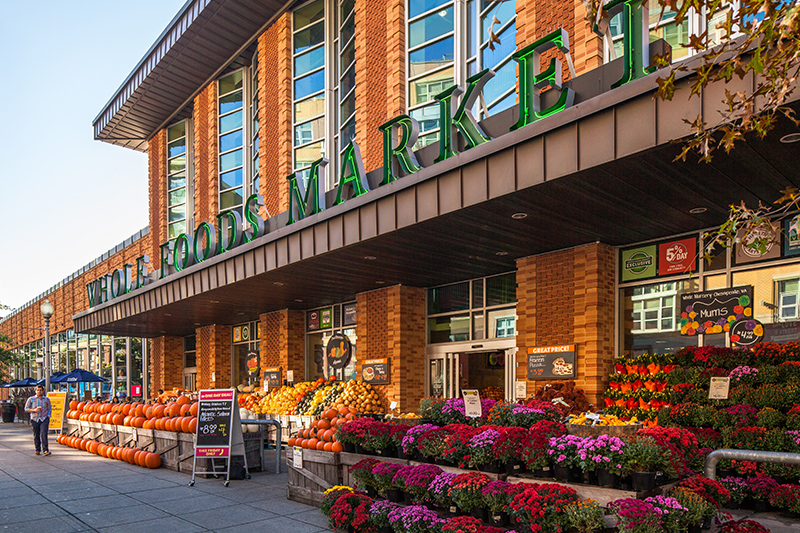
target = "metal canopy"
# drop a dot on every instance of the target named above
(202, 39)
(601, 171)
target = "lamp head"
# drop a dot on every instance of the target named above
(47, 309)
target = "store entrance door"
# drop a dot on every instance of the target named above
(488, 366)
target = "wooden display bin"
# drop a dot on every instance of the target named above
(320, 471)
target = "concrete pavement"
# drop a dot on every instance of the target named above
(73, 490)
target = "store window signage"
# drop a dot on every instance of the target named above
(551, 362)
(791, 230)
(745, 254)
(711, 312)
(639, 263)
(677, 257)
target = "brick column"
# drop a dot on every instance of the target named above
(206, 183)
(166, 363)
(283, 342)
(567, 297)
(214, 357)
(157, 185)
(391, 323)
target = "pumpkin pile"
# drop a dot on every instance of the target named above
(178, 416)
(134, 456)
(322, 433)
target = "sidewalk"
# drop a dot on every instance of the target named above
(73, 490)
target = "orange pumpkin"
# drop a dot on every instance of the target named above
(173, 409)
(291, 441)
(158, 411)
(193, 425)
(152, 460)
(148, 412)
(327, 446)
(185, 423)
(185, 409)
(337, 447)
(321, 445)
(73, 404)
(193, 409)
(183, 400)
(138, 411)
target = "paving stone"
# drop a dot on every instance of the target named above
(173, 524)
(99, 503)
(120, 516)
(233, 515)
(33, 512)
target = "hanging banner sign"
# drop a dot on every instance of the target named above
(551, 362)
(745, 254)
(252, 363)
(715, 311)
(791, 229)
(338, 351)
(57, 402)
(639, 263)
(677, 257)
(472, 403)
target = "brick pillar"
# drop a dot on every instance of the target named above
(567, 297)
(380, 72)
(391, 323)
(214, 357)
(275, 113)
(157, 185)
(206, 183)
(166, 363)
(283, 342)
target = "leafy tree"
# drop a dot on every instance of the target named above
(761, 39)
(8, 358)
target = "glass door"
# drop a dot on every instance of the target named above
(443, 376)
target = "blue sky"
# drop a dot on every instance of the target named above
(66, 198)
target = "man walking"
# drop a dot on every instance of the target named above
(39, 408)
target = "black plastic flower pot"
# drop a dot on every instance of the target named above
(606, 478)
(539, 473)
(394, 495)
(492, 468)
(408, 499)
(562, 473)
(349, 447)
(498, 519)
(479, 513)
(575, 475)
(643, 481)
(512, 468)
(590, 477)
(371, 492)
(402, 455)
(360, 449)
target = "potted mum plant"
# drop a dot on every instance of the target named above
(379, 515)
(671, 512)
(760, 488)
(361, 473)
(496, 496)
(419, 479)
(439, 492)
(399, 483)
(351, 513)
(642, 457)
(431, 444)
(585, 516)
(413, 519)
(534, 454)
(465, 492)
(408, 444)
(636, 516)
(383, 474)
(480, 449)
(507, 449)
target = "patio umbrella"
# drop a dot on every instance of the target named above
(27, 382)
(53, 377)
(79, 376)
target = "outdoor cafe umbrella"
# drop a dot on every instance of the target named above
(53, 376)
(79, 376)
(27, 382)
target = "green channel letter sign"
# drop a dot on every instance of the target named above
(399, 137)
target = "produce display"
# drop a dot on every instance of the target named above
(134, 456)
(174, 394)
(321, 435)
(313, 398)
(178, 416)
(493, 393)
(599, 419)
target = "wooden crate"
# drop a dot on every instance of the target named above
(320, 471)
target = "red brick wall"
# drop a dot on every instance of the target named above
(567, 297)
(283, 342)
(391, 323)
(275, 113)
(157, 184)
(166, 363)
(214, 357)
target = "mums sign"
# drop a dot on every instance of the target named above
(399, 136)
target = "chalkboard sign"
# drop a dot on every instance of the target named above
(338, 351)
(215, 414)
(272, 378)
(551, 362)
(747, 332)
(715, 311)
(376, 371)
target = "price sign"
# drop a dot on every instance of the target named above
(393, 406)
(551, 362)
(297, 458)
(134, 435)
(521, 389)
(57, 402)
(376, 371)
(272, 378)
(214, 421)
(718, 389)
(290, 376)
(472, 403)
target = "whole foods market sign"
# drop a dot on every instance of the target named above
(399, 136)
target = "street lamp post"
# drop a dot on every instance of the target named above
(47, 312)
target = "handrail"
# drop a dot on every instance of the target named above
(278, 437)
(710, 468)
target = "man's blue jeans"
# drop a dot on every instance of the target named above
(40, 434)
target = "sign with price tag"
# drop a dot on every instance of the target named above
(472, 403)
(218, 428)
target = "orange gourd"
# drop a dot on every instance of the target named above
(193, 425)
(193, 409)
(183, 400)
(152, 460)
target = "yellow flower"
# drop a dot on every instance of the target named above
(339, 487)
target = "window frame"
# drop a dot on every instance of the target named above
(189, 177)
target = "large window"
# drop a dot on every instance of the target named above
(473, 310)
(321, 325)
(254, 129)
(323, 63)
(231, 141)
(245, 361)
(177, 179)
(654, 307)
(436, 60)
(788, 296)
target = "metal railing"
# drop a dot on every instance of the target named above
(710, 469)
(278, 437)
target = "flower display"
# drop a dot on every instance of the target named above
(356, 431)
(351, 511)
(786, 497)
(681, 445)
(742, 526)
(399, 479)
(643, 454)
(383, 475)
(409, 440)
(524, 416)
(432, 442)
(462, 524)
(419, 479)
(379, 512)
(543, 507)
(361, 472)
(465, 490)
(413, 519)
(509, 444)
(439, 489)
(496, 494)
(636, 516)
(585, 516)
(455, 446)
(743, 374)
(697, 508)
(760, 487)
(480, 447)
(712, 491)
(563, 450)
(535, 453)
(330, 496)
(737, 487)
(671, 512)
(793, 438)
